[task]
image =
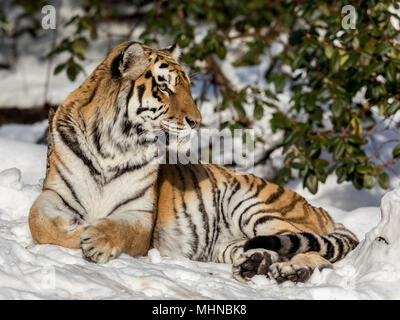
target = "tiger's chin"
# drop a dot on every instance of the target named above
(148, 137)
(170, 145)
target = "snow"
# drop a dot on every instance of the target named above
(24, 132)
(30, 271)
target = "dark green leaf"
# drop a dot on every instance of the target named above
(335, 61)
(339, 149)
(284, 176)
(396, 151)
(220, 50)
(393, 108)
(311, 182)
(239, 108)
(258, 111)
(338, 107)
(341, 174)
(383, 180)
(72, 72)
(59, 68)
(391, 72)
(369, 181)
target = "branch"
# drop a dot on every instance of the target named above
(25, 116)
(267, 155)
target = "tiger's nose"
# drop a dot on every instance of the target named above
(193, 123)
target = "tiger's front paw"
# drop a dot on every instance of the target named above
(253, 262)
(100, 243)
(286, 271)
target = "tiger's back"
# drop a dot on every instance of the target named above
(196, 200)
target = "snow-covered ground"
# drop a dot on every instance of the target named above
(29, 271)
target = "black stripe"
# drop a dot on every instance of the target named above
(115, 72)
(340, 248)
(221, 205)
(317, 214)
(215, 193)
(248, 208)
(275, 196)
(236, 189)
(272, 243)
(282, 210)
(313, 243)
(223, 252)
(127, 127)
(73, 145)
(92, 95)
(62, 162)
(140, 110)
(135, 197)
(188, 217)
(129, 96)
(162, 113)
(202, 208)
(154, 85)
(126, 169)
(70, 187)
(329, 249)
(141, 90)
(255, 195)
(241, 202)
(66, 204)
(215, 230)
(97, 137)
(295, 243)
(156, 96)
(263, 219)
(290, 207)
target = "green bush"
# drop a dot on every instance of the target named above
(323, 66)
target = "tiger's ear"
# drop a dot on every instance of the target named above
(133, 62)
(173, 51)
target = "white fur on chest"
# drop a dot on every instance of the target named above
(98, 195)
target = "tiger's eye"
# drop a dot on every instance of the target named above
(165, 89)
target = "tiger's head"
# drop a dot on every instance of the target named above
(158, 88)
(134, 92)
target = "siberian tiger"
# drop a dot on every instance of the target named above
(103, 195)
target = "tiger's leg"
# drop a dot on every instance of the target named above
(257, 259)
(303, 252)
(128, 232)
(52, 221)
(247, 264)
(299, 268)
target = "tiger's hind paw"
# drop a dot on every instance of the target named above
(253, 262)
(285, 271)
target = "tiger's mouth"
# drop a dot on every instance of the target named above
(173, 129)
(166, 132)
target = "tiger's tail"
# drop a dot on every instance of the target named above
(333, 246)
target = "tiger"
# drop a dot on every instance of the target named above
(104, 194)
